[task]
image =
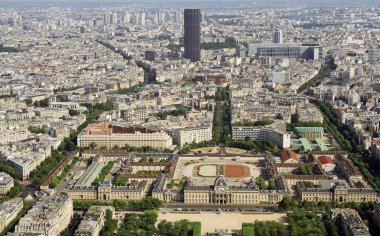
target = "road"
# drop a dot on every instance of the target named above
(211, 207)
(69, 179)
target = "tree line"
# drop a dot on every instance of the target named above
(179, 228)
(222, 116)
(264, 228)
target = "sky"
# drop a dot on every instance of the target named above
(200, 3)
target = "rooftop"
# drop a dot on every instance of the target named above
(108, 129)
(309, 129)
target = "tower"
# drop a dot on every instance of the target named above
(277, 36)
(192, 34)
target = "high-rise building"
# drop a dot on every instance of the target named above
(113, 18)
(142, 18)
(277, 36)
(374, 55)
(106, 18)
(241, 51)
(126, 18)
(192, 36)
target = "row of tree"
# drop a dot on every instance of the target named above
(264, 228)
(323, 72)
(162, 115)
(110, 224)
(39, 174)
(222, 117)
(346, 137)
(290, 204)
(305, 223)
(179, 228)
(103, 173)
(65, 171)
(147, 203)
(138, 224)
(256, 146)
(87, 203)
(253, 123)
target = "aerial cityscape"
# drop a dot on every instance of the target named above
(189, 118)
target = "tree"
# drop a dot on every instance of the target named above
(116, 147)
(262, 184)
(15, 190)
(272, 185)
(147, 203)
(73, 112)
(28, 101)
(165, 227)
(171, 184)
(120, 180)
(186, 149)
(287, 203)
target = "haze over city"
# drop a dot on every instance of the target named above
(201, 118)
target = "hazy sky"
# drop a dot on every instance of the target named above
(200, 3)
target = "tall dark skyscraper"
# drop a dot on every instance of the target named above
(192, 37)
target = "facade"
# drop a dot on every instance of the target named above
(107, 192)
(374, 55)
(48, 217)
(93, 221)
(6, 183)
(13, 134)
(277, 50)
(26, 162)
(241, 51)
(310, 133)
(9, 211)
(189, 135)
(224, 193)
(376, 213)
(111, 135)
(350, 222)
(192, 36)
(275, 132)
(336, 191)
(277, 36)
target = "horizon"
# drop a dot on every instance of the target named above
(198, 3)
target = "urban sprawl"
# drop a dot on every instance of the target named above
(142, 120)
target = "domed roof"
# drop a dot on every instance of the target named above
(220, 181)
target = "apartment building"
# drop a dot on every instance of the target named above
(6, 183)
(189, 135)
(110, 135)
(93, 221)
(275, 132)
(48, 217)
(350, 222)
(25, 161)
(13, 134)
(330, 190)
(9, 211)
